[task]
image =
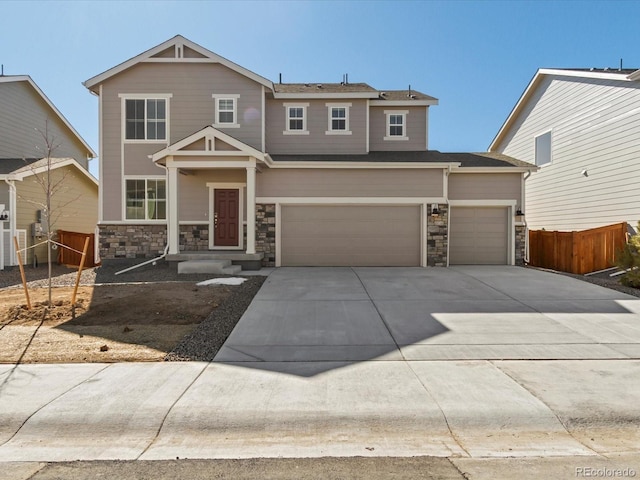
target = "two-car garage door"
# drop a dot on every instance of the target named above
(350, 235)
(478, 236)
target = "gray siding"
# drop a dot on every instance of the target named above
(317, 141)
(194, 193)
(595, 127)
(191, 108)
(22, 111)
(485, 186)
(349, 183)
(416, 130)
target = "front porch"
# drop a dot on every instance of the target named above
(248, 261)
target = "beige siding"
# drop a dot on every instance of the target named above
(349, 183)
(485, 186)
(595, 127)
(194, 193)
(317, 141)
(191, 108)
(22, 111)
(416, 130)
(350, 235)
(74, 207)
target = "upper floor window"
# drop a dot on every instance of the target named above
(338, 119)
(396, 125)
(543, 149)
(226, 110)
(145, 199)
(296, 118)
(146, 117)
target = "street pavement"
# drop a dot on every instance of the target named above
(488, 368)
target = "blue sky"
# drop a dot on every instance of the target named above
(476, 57)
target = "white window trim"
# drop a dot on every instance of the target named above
(305, 130)
(388, 136)
(217, 97)
(535, 153)
(330, 130)
(136, 221)
(144, 96)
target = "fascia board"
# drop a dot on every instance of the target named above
(363, 165)
(29, 80)
(532, 168)
(324, 96)
(613, 75)
(70, 161)
(403, 103)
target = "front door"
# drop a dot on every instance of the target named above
(226, 217)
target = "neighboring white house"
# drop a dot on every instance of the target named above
(582, 128)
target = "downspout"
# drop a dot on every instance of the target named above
(13, 210)
(526, 227)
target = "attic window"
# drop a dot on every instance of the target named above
(543, 149)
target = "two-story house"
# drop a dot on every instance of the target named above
(200, 154)
(581, 127)
(27, 116)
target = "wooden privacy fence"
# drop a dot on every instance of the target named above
(76, 240)
(577, 252)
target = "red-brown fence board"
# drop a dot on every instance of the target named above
(75, 241)
(577, 252)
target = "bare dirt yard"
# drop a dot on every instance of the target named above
(121, 322)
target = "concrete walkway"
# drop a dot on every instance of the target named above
(472, 362)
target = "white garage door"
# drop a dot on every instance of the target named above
(349, 235)
(478, 236)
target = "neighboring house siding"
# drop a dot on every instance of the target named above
(191, 108)
(485, 186)
(416, 125)
(349, 183)
(595, 127)
(78, 200)
(317, 140)
(22, 113)
(4, 195)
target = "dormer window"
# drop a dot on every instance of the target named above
(338, 119)
(296, 121)
(396, 125)
(226, 115)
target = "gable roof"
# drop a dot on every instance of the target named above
(34, 166)
(29, 81)
(178, 43)
(626, 75)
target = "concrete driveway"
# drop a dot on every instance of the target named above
(459, 313)
(363, 362)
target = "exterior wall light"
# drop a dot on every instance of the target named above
(435, 212)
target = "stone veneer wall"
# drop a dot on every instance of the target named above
(521, 232)
(437, 236)
(266, 233)
(149, 241)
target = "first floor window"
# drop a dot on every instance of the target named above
(146, 199)
(146, 119)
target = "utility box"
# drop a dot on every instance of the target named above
(36, 230)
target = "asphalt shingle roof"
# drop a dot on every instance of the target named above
(10, 165)
(322, 88)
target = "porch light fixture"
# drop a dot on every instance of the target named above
(435, 212)
(4, 216)
(519, 213)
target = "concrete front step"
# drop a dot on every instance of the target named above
(220, 267)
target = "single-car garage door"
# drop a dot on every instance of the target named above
(478, 236)
(350, 235)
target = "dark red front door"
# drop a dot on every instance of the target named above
(226, 217)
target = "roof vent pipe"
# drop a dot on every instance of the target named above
(280, 78)
(620, 65)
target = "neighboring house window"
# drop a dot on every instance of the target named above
(145, 117)
(396, 125)
(146, 199)
(296, 119)
(226, 110)
(543, 149)
(338, 119)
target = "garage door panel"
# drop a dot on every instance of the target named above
(363, 235)
(478, 235)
